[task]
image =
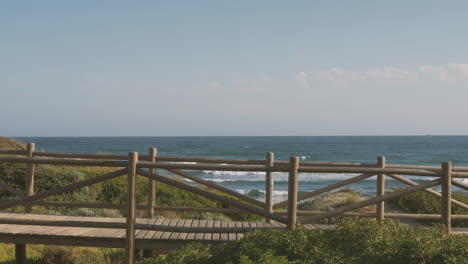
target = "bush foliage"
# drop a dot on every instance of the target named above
(355, 241)
(424, 203)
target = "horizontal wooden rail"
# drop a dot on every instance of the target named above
(325, 189)
(63, 189)
(211, 195)
(218, 167)
(430, 191)
(68, 162)
(309, 213)
(85, 156)
(80, 204)
(460, 184)
(373, 215)
(422, 167)
(370, 201)
(369, 170)
(13, 152)
(213, 167)
(200, 209)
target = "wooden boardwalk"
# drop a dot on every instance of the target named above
(162, 233)
(115, 237)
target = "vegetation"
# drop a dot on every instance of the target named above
(8, 143)
(424, 203)
(355, 241)
(40, 254)
(333, 200)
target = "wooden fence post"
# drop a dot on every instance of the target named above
(29, 181)
(380, 210)
(269, 185)
(292, 192)
(151, 195)
(20, 249)
(447, 195)
(131, 206)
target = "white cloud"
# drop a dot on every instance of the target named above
(449, 72)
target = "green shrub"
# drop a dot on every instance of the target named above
(424, 203)
(355, 241)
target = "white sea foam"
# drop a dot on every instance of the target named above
(225, 176)
(232, 176)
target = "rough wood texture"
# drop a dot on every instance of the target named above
(447, 195)
(20, 249)
(460, 185)
(292, 192)
(269, 185)
(69, 162)
(131, 208)
(29, 180)
(152, 184)
(380, 206)
(151, 195)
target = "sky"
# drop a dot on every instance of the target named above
(233, 68)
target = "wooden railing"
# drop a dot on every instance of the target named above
(147, 166)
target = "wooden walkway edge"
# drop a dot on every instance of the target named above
(115, 237)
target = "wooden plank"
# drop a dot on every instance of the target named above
(224, 236)
(232, 236)
(187, 223)
(157, 221)
(199, 236)
(191, 236)
(216, 236)
(166, 235)
(208, 236)
(175, 235)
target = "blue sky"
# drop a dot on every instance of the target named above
(154, 68)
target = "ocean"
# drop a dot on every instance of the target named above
(412, 150)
